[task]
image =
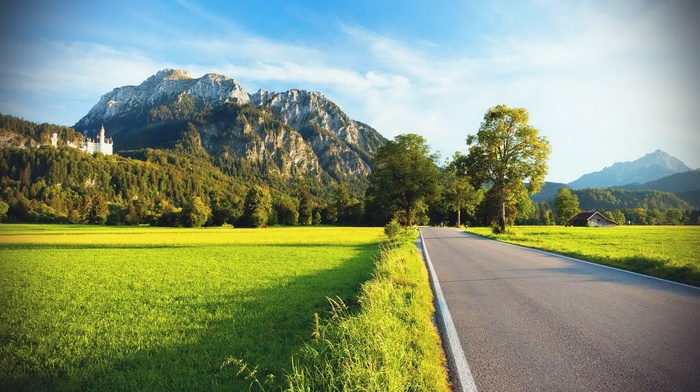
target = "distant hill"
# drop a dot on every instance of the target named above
(680, 190)
(684, 185)
(620, 198)
(591, 199)
(648, 168)
(548, 192)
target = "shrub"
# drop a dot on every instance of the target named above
(393, 229)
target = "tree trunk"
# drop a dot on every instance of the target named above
(459, 214)
(502, 219)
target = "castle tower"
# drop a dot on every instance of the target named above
(101, 138)
(54, 139)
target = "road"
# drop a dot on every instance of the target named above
(532, 321)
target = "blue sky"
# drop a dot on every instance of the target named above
(604, 81)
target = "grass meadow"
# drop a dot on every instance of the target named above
(669, 252)
(123, 308)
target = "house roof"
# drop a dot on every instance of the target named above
(584, 216)
(587, 215)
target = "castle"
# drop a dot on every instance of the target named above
(90, 146)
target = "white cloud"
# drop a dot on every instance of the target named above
(60, 81)
(602, 76)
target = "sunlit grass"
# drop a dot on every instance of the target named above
(670, 252)
(389, 344)
(110, 308)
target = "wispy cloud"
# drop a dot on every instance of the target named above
(600, 75)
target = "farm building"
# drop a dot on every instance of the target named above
(592, 219)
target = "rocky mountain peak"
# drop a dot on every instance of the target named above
(165, 86)
(663, 159)
(297, 129)
(173, 74)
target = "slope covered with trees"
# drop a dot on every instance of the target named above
(65, 185)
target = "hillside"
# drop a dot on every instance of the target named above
(675, 183)
(292, 133)
(676, 191)
(615, 199)
(684, 185)
(548, 192)
(17, 132)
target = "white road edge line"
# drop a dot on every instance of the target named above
(464, 375)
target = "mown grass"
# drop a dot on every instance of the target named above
(669, 252)
(105, 308)
(390, 344)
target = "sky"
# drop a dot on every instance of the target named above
(603, 81)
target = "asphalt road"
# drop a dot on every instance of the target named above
(531, 321)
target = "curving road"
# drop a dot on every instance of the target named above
(533, 321)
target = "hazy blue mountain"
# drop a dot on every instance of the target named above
(648, 168)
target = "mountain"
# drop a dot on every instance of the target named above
(548, 192)
(291, 133)
(648, 168)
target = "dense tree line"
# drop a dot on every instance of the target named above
(185, 186)
(644, 207)
(162, 187)
(543, 213)
(38, 134)
(491, 185)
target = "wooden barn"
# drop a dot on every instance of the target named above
(592, 219)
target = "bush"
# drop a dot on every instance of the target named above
(508, 231)
(393, 229)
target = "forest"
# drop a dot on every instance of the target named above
(184, 186)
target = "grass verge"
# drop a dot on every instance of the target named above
(389, 344)
(668, 252)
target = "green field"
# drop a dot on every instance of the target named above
(116, 308)
(669, 252)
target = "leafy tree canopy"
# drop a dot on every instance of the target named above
(566, 206)
(507, 152)
(258, 206)
(405, 176)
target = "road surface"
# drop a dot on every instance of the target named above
(532, 321)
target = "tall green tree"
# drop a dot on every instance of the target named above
(342, 204)
(287, 212)
(458, 193)
(566, 206)
(258, 206)
(3, 210)
(507, 152)
(405, 176)
(306, 208)
(195, 213)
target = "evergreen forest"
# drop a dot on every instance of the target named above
(185, 186)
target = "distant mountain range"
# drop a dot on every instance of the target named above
(648, 168)
(657, 171)
(291, 133)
